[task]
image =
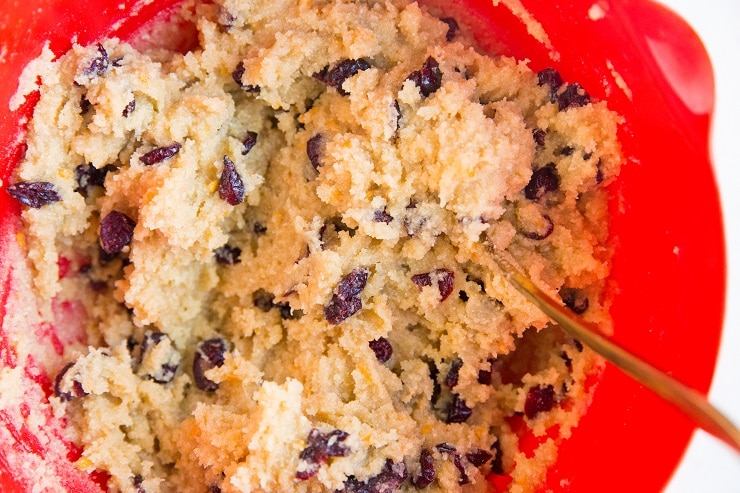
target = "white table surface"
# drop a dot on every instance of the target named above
(708, 465)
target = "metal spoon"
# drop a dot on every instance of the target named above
(691, 402)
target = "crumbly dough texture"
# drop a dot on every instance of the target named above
(411, 190)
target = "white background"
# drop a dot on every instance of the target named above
(709, 466)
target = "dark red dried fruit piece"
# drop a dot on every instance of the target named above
(574, 299)
(85, 104)
(237, 75)
(539, 136)
(497, 464)
(429, 78)
(453, 373)
(129, 108)
(339, 310)
(552, 78)
(445, 281)
(160, 154)
(566, 151)
(382, 349)
(138, 480)
(539, 399)
(436, 387)
(463, 479)
(387, 481)
(427, 473)
(263, 300)
(209, 354)
(478, 457)
(381, 216)
(98, 65)
(227, 255)
(230, 184)
(34, 194)
(452, 28)
(352, 284)
(458, 411)
(599, 172)
(573, 96)
(88, 176)
(74, 392)
(446, 448)
(543, 180)
(342, 71)
(166, 373)
(116, 231)
(544, 233)
(249, 141)
(313, 150)
(485, 377)
(319, 448)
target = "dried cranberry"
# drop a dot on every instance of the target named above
(34, 194)
(445, 281)
(130, 107)
(573, 96)
(463, 296)
(259, 229)
(67, 394)
(263, 300)
(382, 349)
(339, 310)
(230, 184)
(539, 136)
(85, 104)
(578, 345)
(227, 255)
(99, 64)
(88, 176)
(237, 75)
(446, 448)
(452, 27)
(429, 78)
(436, 387)
(539, 399)
(458, 411)
(214, 488)
(566, 151)
(381, 216)
(249, 141)
(574, 299)
(352, 284)
(463, 479)
(497, 464)
(160, 154)
(552, 78)
(166, 373)
(390, 478)
(599, 172)
(342, 71)
(542, 234)
(427, 474)
(138, 480)
(208, 355)
(313, 150)
(568, 362)
(453, 373)
(485, 377)
(478, 457)
(543, 180)
(319, 448)
(116, 231)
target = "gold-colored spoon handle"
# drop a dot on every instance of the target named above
(686, 399)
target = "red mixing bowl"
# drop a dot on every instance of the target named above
(669, 266)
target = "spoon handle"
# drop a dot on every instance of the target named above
(691, 402)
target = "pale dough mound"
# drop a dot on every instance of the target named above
(281, 243)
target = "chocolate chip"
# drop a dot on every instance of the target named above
(463, 479)
(249, 141)
(543, 233)
(130, 107)
(573, 96)
(429, 78)
(539, 399)
(67, 394)
(452, 28)
(227, 255)
(319, 448)
(453, 374)
(539, 136)
(34, 194)
(478, 457)
(382, 349)
(98, 65)
(445, 281)
(574, 299)
(208, 355)
(427, 474)
(313, 150)
(387, 481)
(552, 78)
(381, 216)
(342, 71)
(543, 180)
(230, 184)
(458, 411)
(88, 176)
(116, 231)
(160, 154)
